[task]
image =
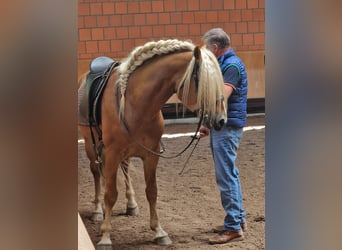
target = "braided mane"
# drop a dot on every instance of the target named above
(141, 54)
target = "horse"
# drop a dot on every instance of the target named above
(131, 123)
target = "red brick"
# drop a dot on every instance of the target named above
(96, 9)
(189, 38)
(253, 27)
(193, 5)
(236, 40)
(102, 21)
(230, 28)
(169, 5)
(108, 9)
(240, 4)
(115, 20)
(83, 9)
(200, 17)
(247, 39)
(259, 38)
(176, 18)
(127, 20)
(181, 5)
(164, 18)
(198, 40)
(139, 42)
(195, 30)
(81, 47)
(134, 32)
(205, 27)
(241, 27)
(128, 45)
(104, 46)
(90, 21)
(92, 47)
(235, 16)
(229, 4)
(223, 16)
(97, 34)
(217, 5)
(116, 45)
(171, 30)
(109, 33)
(146, 31)
(133, 7)
(182, 30)
(121, 33)
(252, 4)
(188, 17)
(158, 31)
(205, 4)
(145, 7)
(84, 56)
(152, 18)
(120, 54)
(211, 16)
(139, 19)
(80, 22)
(247, 15)
(121, 8)
(157, 6)
(258, 15)
(113, 55)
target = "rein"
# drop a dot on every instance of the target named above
(180, 153)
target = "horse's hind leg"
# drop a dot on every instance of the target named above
(132, 206)
(150, 165)
(94, 168)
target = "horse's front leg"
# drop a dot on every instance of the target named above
(98, 212)
(95, 170)
(132, 205)
(150, 165)
(110, 197)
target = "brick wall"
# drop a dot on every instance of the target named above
(114, 28)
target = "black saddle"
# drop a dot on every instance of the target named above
(100, 70)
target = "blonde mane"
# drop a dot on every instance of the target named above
(210, 82)
(141, 54)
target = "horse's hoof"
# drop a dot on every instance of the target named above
(163, 241)
(104, 244)
(104, 247)
(97, 217)
(132, 211)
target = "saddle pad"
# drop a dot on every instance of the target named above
(82, 106)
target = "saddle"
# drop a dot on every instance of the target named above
(100, 70)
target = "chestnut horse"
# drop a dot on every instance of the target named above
(132, 123)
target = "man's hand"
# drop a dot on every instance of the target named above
(204, 131)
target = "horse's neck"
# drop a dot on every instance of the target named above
(151, 85)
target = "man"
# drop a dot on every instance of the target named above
(224, 143)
